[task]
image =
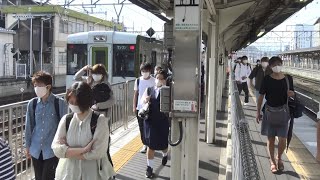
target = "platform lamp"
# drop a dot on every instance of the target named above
(262, 31)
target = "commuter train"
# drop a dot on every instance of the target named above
(121, 53)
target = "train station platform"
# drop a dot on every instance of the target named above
(299, 160)
(130, 164)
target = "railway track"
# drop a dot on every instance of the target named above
(308, 93)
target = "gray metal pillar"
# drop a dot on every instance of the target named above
(31, 48)
(186, 89)
(41, 46)
(212, 85)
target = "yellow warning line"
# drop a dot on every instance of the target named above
(121, 157)
(295, 164)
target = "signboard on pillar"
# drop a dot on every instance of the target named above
(187, 15)
(186, 59)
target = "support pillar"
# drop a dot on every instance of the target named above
(186, 89)
(211, 112)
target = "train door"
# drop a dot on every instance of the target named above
(100, 56)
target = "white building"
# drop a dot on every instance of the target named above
(56, 23)
(303, 36)
(316, 37)
(6, 56)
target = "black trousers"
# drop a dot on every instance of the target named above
(244, 86)
(45, 169)
(141, 128)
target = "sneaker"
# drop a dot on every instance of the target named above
(164, 160)
(149, 173)
(144, 149)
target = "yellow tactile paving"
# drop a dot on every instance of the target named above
(121, 157)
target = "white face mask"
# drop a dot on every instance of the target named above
(74, 108)
(158, 83)
(40, 91)
(97, 77)
(277, 69)
(245, 61)
(264, 64)
(145, 75)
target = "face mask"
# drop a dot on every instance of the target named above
(145, 75)
(158, 83)
(245, 61)
(40, 91)
(277, 69)
(74, 108)
(97, 77)
(264, 64)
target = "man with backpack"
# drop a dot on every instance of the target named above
(242, 72)
(258, 73)
(140, 86)
(43, 115)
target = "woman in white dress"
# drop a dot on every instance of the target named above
(81, 147)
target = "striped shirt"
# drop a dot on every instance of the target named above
(6, 165)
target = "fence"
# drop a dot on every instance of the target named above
(244, 165)
(12, 121)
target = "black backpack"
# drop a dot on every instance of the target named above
(101, 93)
(93, 122)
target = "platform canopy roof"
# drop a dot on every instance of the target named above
(240, 21)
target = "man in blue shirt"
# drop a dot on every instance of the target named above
(6, 165)
(43, 115)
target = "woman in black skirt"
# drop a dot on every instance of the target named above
(157, 126)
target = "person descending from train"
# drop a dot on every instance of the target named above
(81, 141)
(156, 70)
(236, 62)
(258, 73)
(141, 84)
(276, 88)
(156, 127)
(242, 72)
(6, 163)
(43, 115)
(258, 62)
(103, 98)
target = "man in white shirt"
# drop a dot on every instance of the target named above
(242, 73)
(141, 84)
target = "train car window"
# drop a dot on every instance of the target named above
(76, 57)
(123, 60)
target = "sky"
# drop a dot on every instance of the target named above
(307, 16)
(141, 20)
(132, 15)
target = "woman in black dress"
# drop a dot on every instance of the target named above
(275, 89)
(157, 126)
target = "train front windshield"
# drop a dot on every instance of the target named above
(76, 57)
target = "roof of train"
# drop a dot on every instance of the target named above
(304, 50)
(113, 37)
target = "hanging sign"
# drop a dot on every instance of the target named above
(187, 15)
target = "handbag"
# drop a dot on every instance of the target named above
(295, 107)
(144, 111)
(278, 116)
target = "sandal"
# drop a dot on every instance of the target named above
(273, 168)
(280, 165)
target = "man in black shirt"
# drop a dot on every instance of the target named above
(258, 73)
